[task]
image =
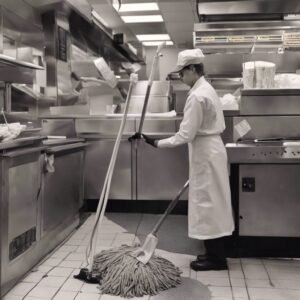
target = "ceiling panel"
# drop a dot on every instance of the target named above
(183, 6)
(185, 17)
(148, 28)
(180, 26)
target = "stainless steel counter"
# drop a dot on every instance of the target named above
(53, 142)
(83, 116)
(262, 153)
(21, 142)
(133, 175)
(109, 127)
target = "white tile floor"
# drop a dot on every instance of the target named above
(247, 279)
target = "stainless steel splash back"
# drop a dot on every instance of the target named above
(63, 64)
(270, 102)
(267, 127)
(48, 20)
(57, 56)
(230, 64)
(160, 96)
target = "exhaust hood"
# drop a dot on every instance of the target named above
(222, 10)
(247, 37)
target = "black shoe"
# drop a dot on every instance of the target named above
(201, 257)
(208, 265)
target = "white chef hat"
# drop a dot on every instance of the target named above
(188, 57)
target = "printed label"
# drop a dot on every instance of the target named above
(242, 128)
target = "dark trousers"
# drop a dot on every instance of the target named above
(215, 249)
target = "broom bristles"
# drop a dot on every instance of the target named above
(123, 275)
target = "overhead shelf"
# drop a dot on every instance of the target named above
(90, 35)
(10, 61)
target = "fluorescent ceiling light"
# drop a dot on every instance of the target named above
(153, 37)
(156, 43)
(133, 49)
(142, 19)
(136, 7)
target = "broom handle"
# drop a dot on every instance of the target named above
(106, 187)
(149, 85)
(169, 209)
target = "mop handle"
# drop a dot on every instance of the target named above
(106, 187)
(147, 96)
(169, 209)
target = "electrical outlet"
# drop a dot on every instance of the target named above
(248, 184)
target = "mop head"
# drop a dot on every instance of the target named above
(123, 275)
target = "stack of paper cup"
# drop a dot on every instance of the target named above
(248, 75)
(259, 74)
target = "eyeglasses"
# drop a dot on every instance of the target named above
(181, 72)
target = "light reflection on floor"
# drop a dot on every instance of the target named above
(247, 279)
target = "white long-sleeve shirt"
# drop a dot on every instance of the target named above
(203, 115)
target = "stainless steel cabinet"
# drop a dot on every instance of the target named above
(269, 202)
(20, 212)
(98, 155)
(141, 173)
(161, 173)
(63, 188)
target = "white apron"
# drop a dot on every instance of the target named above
(210, 213)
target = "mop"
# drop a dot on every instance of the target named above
(129, 271)
(134, 271)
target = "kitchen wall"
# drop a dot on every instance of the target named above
(166, 63)
(23, 10)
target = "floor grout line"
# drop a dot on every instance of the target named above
(269, 277)
(243, 271)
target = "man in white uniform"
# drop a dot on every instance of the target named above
(210, 215)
